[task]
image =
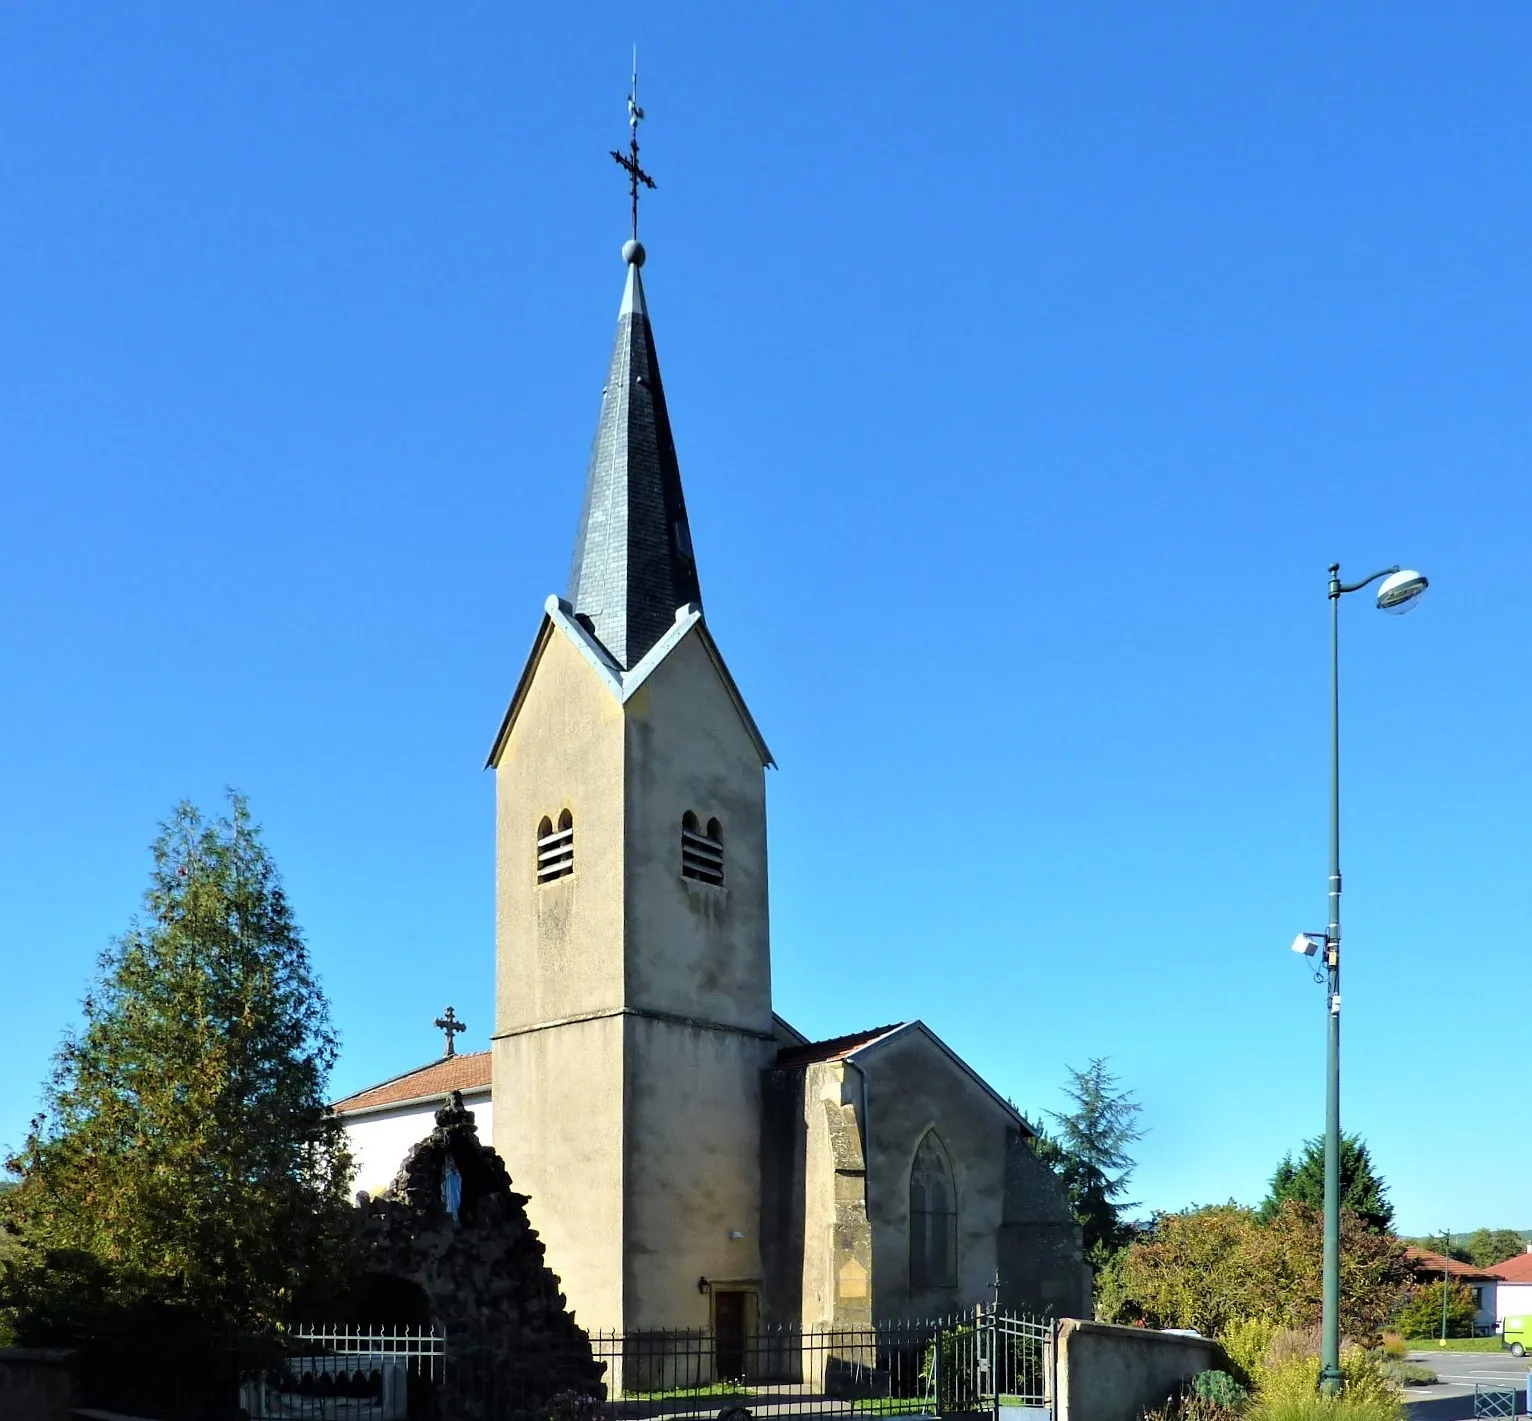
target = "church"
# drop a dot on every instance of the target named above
(691, 1160)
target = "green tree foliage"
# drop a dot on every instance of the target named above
(1362, 1189)
(1484, 1248)
(1209, 1268)
(185, 1156)
(1421, 1316)
(1089, 1151)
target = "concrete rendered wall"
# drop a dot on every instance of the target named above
(558, 1050)
(698, 984)
(693, 949)
(1110, 1373)
(691, 1178)
(379, 1142)
(633, 1006)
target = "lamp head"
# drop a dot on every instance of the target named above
(1400, 591)
(1308, 943)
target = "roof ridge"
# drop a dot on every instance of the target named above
(405, 1075)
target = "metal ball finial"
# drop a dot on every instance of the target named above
(633, 252)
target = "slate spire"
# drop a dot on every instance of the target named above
(633, 562)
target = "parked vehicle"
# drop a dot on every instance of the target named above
(1516, 1335)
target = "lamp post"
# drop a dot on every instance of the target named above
(1398, 593)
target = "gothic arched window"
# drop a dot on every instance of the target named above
(555, 847)
(701, 852)
(933, 1218)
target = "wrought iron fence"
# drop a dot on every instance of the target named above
(980, 1363)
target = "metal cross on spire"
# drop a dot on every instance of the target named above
(629, 160)
(449, 1023)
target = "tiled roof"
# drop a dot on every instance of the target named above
(837, 1048)
(1515, 1270)
(1423, 1261)
(467, 1071)
(633, 560)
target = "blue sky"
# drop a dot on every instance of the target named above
(1028, 366)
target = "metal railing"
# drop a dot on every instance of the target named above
(980, 1363)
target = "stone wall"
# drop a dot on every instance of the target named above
(452, 1225)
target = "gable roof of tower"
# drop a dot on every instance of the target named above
(468, 1071)
(623, 684)
(633, 560)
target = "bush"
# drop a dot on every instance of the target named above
(1219, 1388)
(1244, 1343)
(1393, 1345)
(1405, 1373)
(1421, 1316)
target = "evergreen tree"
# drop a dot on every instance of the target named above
(1090, 1154)
(1362, 1189)
(185, 1154)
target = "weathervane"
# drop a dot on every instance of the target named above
(636, 174)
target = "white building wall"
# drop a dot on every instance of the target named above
(1512, 1300)
(380, 1139)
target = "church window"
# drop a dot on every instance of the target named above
(701, 850)
(555, 847)
(933, 1218)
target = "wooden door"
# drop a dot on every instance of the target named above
(729, 1318)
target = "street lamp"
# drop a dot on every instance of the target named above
(1398, 592)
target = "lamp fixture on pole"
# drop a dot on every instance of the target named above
(1399, 591)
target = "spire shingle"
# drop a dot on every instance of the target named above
(633, 561)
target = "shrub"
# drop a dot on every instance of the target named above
(1421, 1316)
(1219, 1388)
(1406, 1373)
(1244, 1343)
(1393, 1345)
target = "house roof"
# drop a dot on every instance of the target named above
(837, 1048)
(468, 1071)
(1517, 1269)
(1422, 1260)
(633, 561)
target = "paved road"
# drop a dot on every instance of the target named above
(1451, 1399)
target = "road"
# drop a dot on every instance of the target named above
(1451, 1399)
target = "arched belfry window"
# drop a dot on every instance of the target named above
(701, 850)
(933, 1218)
(555, 847)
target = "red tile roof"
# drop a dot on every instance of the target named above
(1515, 1270)
(468, 1071)
(837, 1048)
(1428, 1264)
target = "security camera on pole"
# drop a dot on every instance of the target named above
(1398, 592)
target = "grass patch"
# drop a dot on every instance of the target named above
(891, 1406)
(735, 1391)
(1455, 1344)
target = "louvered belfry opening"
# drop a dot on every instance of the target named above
(555, 848)
(701, 850)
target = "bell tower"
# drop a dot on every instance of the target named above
(633, 972)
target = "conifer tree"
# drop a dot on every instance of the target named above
(1363, 1191)
(1090, 1154)
(185, 1154)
